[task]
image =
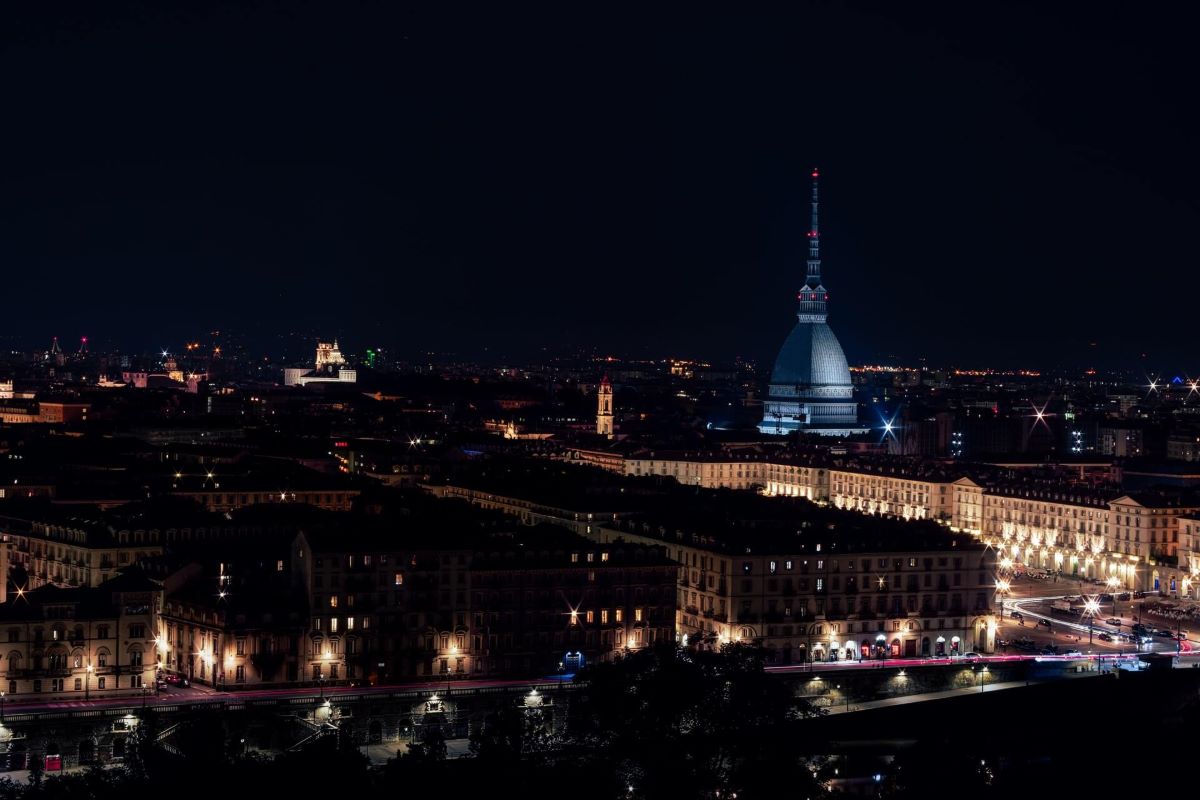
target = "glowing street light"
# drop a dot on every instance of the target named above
(1091, 608)
(1002, 589)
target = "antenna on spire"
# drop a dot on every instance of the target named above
(812, 294)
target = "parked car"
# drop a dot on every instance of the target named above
(1123, 596)
(1114, 621)
(1106, 598)
(1139, 595)
(1166, 633)
(1106, 637)
(1073, 654)
(971, 655)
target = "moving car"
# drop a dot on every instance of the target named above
(1113, 621)
(1044, 622)
(1073, 654)
(1106, 637)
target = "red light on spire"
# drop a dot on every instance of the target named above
(816, 174)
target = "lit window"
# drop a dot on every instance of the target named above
(399, 579)
(333, 601)
(591, 616)
(604, 616)
(333, 624)
(619, 615)
(637, 615)
(349, 623)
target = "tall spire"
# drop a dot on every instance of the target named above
(814, 236)
(812, 295)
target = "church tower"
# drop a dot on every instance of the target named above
(604, 409)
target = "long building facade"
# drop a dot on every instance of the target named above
(1092, 534)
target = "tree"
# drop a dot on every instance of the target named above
(37, 769)
(432, 746)
(677, 723)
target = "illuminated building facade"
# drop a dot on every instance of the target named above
(1134, 538)
(812, 598)
(810, 386)
(470, 607)
(842, 599)
(330, 367)
(82, 642)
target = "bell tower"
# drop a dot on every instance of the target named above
(604, 408)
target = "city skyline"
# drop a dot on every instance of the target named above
(984, 202)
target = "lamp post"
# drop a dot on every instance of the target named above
(1114, 586)
(2, 699)
(983, 673)
(87, 683)
(1002, 588)
(1091, 608)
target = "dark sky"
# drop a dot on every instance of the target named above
(1002, 184)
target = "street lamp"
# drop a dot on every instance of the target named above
(87, 683)
(983, 673)
(1002, 588)
(1091, 608)
(1114, 586)
(2, 698)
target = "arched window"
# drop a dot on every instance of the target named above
(14, 662)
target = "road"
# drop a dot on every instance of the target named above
(197, 696)
(1033, 604)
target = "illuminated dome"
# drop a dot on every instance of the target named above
(812, 357)
(810, 387)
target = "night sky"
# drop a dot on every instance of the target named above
(1000, 186)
